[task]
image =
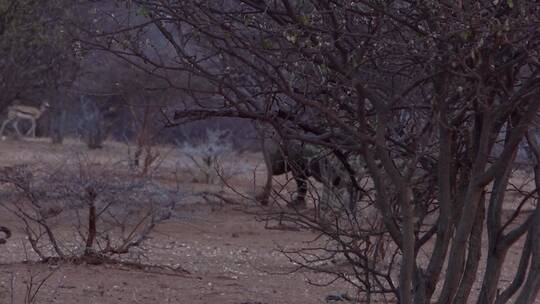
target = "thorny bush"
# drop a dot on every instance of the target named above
(82, 209)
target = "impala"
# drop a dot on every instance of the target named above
(15, 113)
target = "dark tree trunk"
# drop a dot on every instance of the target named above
(58, 122)
(92, 218)
(94, 137)
(97, 121)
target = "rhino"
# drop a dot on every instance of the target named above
(305, 161)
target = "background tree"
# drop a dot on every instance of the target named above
(38, 57)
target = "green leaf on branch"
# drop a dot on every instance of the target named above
(143, 11)
(304, 20)
(266, 44)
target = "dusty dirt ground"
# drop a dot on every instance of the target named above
(210, 254)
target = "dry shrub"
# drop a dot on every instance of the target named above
(145, 155)
(83, 210)
(208, 158)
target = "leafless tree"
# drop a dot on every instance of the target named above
(435, 96)
(99, 114)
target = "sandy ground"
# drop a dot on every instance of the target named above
(223, 257)
(209, 254)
